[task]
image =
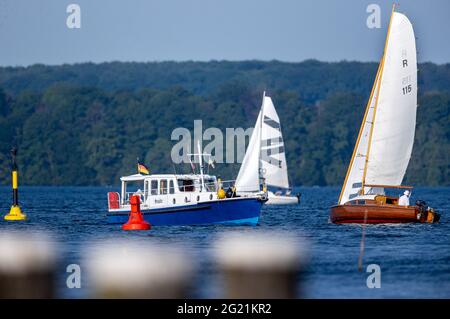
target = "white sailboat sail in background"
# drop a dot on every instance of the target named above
(273, 166)
(386, 138)
(265, 157)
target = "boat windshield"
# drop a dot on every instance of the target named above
(133, 188)
(186, 185)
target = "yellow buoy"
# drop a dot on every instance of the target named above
(15, 213)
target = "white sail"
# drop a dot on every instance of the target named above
(394, 119)
(248, 176)
(273, 157)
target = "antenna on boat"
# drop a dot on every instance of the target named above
(200, 160)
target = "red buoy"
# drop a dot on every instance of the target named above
(136, 221)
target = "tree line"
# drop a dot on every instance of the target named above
(86, 124)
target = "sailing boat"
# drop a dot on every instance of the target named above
(265, 159)
(385, 141)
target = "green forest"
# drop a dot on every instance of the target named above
(85, 124)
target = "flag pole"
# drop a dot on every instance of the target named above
(137, 164)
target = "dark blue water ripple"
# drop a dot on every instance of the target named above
(414, 258)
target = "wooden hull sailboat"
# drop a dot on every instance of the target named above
(265, 160)
(385, 141)
(381, 209)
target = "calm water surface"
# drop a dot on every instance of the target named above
(414, 258)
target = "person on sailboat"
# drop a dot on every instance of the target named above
(404, 199)
(231, 192)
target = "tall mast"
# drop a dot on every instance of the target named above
(262, 112)
(261, 120)
(200, 162)
(376, 100)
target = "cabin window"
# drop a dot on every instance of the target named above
(361, 202)
(186, 185)
(146, 188)
(154, 187)
(163, 186)
(171, 187)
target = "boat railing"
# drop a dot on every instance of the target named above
(226, 184)
(242, 189)
(126, 200)
(248, 189)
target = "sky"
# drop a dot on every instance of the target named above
(203, 30)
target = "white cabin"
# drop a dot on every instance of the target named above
(163, 190)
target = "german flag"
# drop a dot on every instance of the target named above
(142, 169)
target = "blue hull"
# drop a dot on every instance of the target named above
(238, 211)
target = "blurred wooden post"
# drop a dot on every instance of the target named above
(260, 266)
(27, 267)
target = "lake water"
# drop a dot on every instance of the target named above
(414, 258)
